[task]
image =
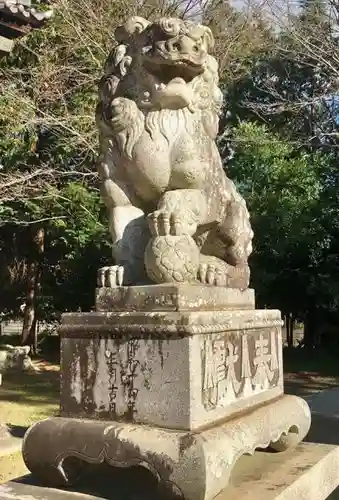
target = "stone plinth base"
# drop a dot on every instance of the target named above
(181, 379)
(188, 465)
(174, 356)
(173, 297)
(309, 472)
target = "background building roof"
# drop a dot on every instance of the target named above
(17, 18)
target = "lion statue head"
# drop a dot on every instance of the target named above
(164, 65)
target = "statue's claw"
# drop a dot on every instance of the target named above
(212, 274)
(110, 276)
(164, 223)
(216, 272)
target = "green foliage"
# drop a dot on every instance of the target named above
(48, 143)
(294, 217)
(287, 167)
(76, 246)
(280, 91)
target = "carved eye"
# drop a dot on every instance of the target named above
(176, 46)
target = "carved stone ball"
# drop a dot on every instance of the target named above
(172, 259)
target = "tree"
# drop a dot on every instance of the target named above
(293, 86)
(48, 145)
(49, 142)
(295, 218)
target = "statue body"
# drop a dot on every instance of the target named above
(174, 215)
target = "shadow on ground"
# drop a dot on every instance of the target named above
(307, 371)
(105, 482)
(17, 431)
(36, 389)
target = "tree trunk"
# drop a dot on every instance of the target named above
(29, 309)
(289, 329)
(29, 327)
(292, 330)
(310, 329)
(287, 326)
(289, 321)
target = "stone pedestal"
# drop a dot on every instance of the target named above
(309, 472)
(181, 379)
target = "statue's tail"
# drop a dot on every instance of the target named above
(235, 226)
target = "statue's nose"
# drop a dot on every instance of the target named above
(184, 44)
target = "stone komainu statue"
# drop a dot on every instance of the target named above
(174, 216)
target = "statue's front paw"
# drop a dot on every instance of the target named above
(210, 273)
(216, 272)
(110, 276)
(164, 223)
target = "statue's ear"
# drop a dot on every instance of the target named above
(208, 39)
(133, 26)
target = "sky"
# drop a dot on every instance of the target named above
(274, 8)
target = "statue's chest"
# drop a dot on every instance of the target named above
(150, 169)
(190, 161)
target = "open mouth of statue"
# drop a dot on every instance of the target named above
(167, 70)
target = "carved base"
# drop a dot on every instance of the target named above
(174, 369)
(188, 465)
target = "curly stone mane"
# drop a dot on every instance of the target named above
(114, 114)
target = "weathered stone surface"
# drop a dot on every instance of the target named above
(175, 370)
(15, 359)
(193, 466)
(310, 472)
(173, 297)
(164, 324)
(174, 216)
(184, 393)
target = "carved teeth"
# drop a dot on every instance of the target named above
(178, 80)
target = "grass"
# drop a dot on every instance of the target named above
(25, 399)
